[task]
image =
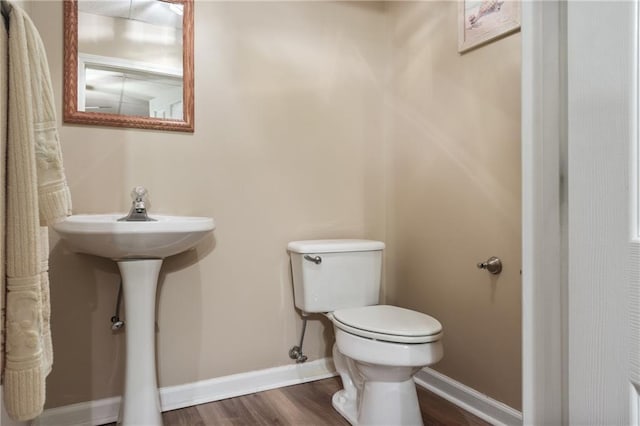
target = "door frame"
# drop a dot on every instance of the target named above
(544, 277)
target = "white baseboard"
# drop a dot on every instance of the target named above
(88, 413)
(469, 399)
(173, 397)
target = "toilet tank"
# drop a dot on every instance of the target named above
(335, 274)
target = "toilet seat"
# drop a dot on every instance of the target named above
(388, 323)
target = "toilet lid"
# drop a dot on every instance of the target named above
(388, 323)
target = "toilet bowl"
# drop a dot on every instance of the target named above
(378, 348)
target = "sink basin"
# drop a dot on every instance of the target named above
(102, 235)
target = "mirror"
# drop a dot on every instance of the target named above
(129, 63)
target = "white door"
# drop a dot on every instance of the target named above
(581, 240)
(602, 118)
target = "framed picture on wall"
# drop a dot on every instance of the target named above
(482, 21)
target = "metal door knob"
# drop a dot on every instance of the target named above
(493, 265)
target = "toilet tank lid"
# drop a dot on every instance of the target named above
(334, 246)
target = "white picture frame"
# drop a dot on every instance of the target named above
(483, 21)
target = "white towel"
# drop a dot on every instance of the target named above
(36, 196)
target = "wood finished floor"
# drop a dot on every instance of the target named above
(305, 404)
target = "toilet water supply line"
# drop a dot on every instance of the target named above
(116, 323)
(296, 351)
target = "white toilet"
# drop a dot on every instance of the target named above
(378, 348)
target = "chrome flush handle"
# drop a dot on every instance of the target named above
(317, 259)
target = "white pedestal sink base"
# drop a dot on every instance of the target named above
(139, 248)
(141, 401)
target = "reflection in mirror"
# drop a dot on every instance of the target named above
(132, 61)
(115, 87)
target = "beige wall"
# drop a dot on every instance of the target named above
(313, 120)
(4, 89)
(288, 124)
(454, 193)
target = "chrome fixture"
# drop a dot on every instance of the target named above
(116, 322)
(296, 351)
(138, 212)
(493, 265)
(317, 259)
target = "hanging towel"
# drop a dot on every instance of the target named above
(36, 195)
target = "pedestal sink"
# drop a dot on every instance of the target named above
(138, 248)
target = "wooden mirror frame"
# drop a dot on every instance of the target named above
(70, 110)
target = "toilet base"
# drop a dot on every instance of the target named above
(388, 403)
(383, 404)
(346, 407)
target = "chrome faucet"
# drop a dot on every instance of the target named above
(138, 212)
